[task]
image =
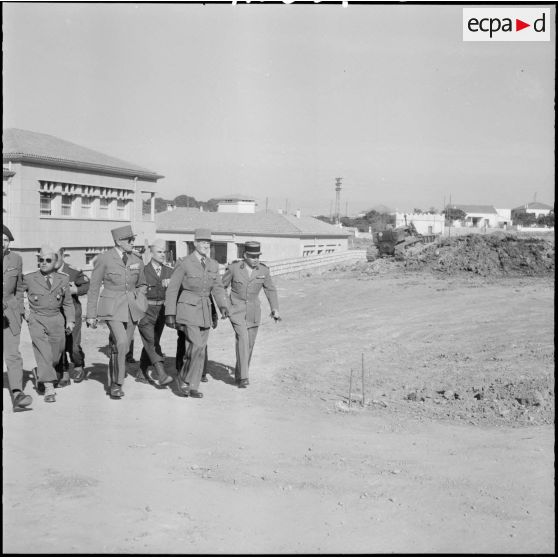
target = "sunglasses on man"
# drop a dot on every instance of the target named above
(47, 260)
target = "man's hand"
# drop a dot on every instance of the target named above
(69, 327)
(224, 312)
(91, 322)
(165, 283)
(73, 288)
(170, 321)
(275, 315)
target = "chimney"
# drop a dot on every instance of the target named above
(297, 214)
(280, 211)
(170, 206)
(201, 208)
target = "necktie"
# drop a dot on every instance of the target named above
(203, 262)
(124, 258)
(48, 282)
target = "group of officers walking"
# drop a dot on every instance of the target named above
(125, 293)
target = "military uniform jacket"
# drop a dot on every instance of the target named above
(124, 288)
(193, 305)
(155, 289)
(48, 302)
(245, 286)
(12, 290)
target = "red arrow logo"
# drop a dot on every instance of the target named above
(519, 25)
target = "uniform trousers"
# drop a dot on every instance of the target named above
(121, 335)
(245, 339)
(184, 352)
(48, 339)
(13, 360)
(73, 341)
(151, 328)
(197, 338)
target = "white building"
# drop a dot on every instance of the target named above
(236, 203)
(70, 196)
(425, 223)
(281, 236)
(536, 208)
(478, 216)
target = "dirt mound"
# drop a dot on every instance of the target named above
(527, 401)
(496, 254)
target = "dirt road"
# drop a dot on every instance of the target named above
(286, 466)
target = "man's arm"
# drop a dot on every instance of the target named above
(68, 306)
(95, 287)
(171, 296)
(218, 291)
(82, 283)
(270, 292)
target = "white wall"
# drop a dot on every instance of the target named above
(425, 223)
(274, 248)
(31, 230)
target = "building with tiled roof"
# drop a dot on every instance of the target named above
(536, 208)
(281, 236)
(71, 196)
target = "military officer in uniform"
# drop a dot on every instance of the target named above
(198, 275)
(48, 291)
(13, 310)
(246, 278)
(157, 277)
(79, 285)
(121, 303)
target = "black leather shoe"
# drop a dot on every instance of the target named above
(131, 360)
(63, 383)
(79, 375)
(116, 392)
(141, 378)
(195, 393)
(243, 383)
(50, 398)
(165, 381)
(183, 388)
(21, 400)
(204, 378)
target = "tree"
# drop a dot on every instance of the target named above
(185, 201)
(161, 204)
(416, 210)
(524, 219)
(454, 214)
(546, 220)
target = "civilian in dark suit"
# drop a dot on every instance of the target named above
(157, 276)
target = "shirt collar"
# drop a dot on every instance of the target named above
(119, 250)
(199, 256)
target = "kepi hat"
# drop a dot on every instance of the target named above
(202, 234)
(252, 248)
(121, 233)
(8, 233)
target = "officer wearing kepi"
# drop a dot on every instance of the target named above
(121, 303)
(157, 277)
(246, 278)
(13, 310)
(79, 285)
(48, 291)
(198, 275)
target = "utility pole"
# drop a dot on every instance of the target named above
(338, 199)
(286, 206)
(330, 210)
(266, 204)
(346, 209)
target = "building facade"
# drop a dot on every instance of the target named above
(535, 208)
(67, 195)
(425, 223)
(281, 236)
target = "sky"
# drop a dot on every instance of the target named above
(276, 101)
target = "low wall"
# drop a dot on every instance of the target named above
(298, 264)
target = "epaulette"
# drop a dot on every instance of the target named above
(63, 273)
(167, 265)
(261, 263)
(29, 272)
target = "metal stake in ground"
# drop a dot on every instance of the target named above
(362, 375)
(350, 387)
